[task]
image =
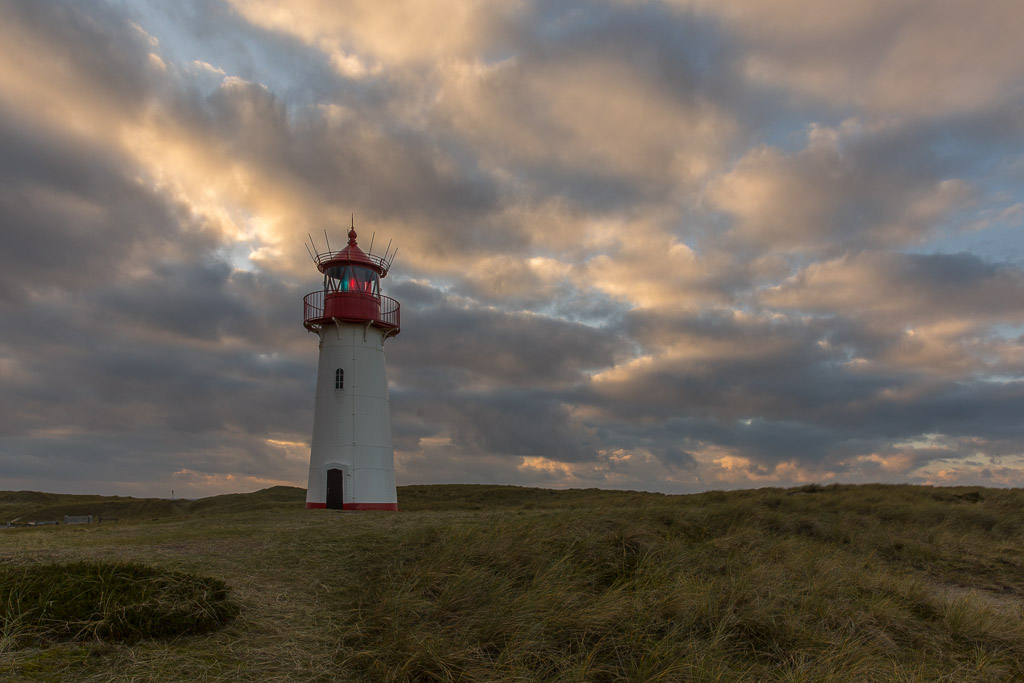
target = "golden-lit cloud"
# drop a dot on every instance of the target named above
(821, 199)
(362, 35)
(911, 58)
(605, 116)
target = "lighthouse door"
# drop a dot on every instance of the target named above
(335, 489)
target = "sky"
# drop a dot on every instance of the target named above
(668, 246)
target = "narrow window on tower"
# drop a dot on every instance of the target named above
(339, 379)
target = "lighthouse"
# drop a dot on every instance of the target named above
(351, 460)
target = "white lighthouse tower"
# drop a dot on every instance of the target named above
(351, 461)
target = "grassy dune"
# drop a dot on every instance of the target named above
(485, 583)
(27, 506)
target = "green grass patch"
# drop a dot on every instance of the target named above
(107, 601)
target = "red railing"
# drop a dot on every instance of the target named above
(323, 257)
(365, 308)
(313, 307)
(390, 312)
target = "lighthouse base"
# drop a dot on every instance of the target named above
(390, 507)
(337, 485)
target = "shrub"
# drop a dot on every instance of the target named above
(107, 601)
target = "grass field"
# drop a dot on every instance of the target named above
(492, 583)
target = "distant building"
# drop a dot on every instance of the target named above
(79, 519)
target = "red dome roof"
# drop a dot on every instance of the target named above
(351, 254)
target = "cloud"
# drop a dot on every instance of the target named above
(849, 187)
(930, 313)
(911, 58)
(73, 67)
(398, 33)
(483, 349)
(907, 288)
(641, 245)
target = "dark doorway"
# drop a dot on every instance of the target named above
(335, 489)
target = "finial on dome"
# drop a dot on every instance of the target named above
(352, 231)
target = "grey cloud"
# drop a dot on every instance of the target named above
(114, 382)
(94, 41)
(687, 52)
(957, 409)
(71, 217)
(185, 299)
(906, 289)
(112, 462)
(509, 422)
(674, 456)
(781, 396)
(453, 346)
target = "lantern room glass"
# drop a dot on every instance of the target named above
(351, 278)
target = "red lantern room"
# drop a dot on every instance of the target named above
(351, 290)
